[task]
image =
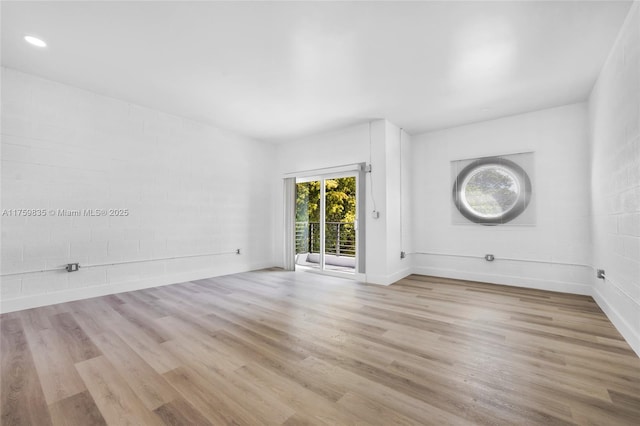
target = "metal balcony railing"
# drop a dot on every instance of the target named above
(340, 238)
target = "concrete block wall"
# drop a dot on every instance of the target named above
(554, 253)
(189, 189)
(614, 108)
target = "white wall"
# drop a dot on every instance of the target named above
(558, 138)
(398, 202)
(353, 145)
(190, 189)
(614, 108)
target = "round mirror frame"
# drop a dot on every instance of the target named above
(524, 195)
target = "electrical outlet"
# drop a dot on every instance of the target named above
(72, 267)
(237, 251)
(600, 273)
(489, 257)
(403, 255)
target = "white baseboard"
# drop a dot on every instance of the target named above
(28, 302)
(559, 286)
(388, 279)
(630, 335)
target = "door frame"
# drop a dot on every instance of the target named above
(358, 172)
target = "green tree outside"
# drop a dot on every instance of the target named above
(340, 214)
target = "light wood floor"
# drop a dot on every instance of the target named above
(274, 347)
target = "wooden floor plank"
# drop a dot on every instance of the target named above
(23, 402)
(80, 346)
(76, 410)
(372, 412)
(297, 397)
(180, 413)
(117, 402)
(384, 396)
(148, 385)
(210, 399)
(275, 347)
(153, 353)
(55, 367)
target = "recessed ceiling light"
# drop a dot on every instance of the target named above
(35, 41)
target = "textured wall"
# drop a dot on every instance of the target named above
(614, 108)
(558, 138)
(189, 189)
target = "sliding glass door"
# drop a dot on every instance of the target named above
(340, 224)
(308, 233)
(326, 223)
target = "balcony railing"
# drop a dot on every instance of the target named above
(340, 238)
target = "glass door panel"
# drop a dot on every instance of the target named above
(308, 209)
(340, 215)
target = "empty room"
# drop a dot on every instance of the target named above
(327, 213)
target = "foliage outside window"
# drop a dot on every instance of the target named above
(340, 215)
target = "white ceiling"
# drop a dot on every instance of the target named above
(279, 70)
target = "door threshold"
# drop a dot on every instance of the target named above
(348, 275)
